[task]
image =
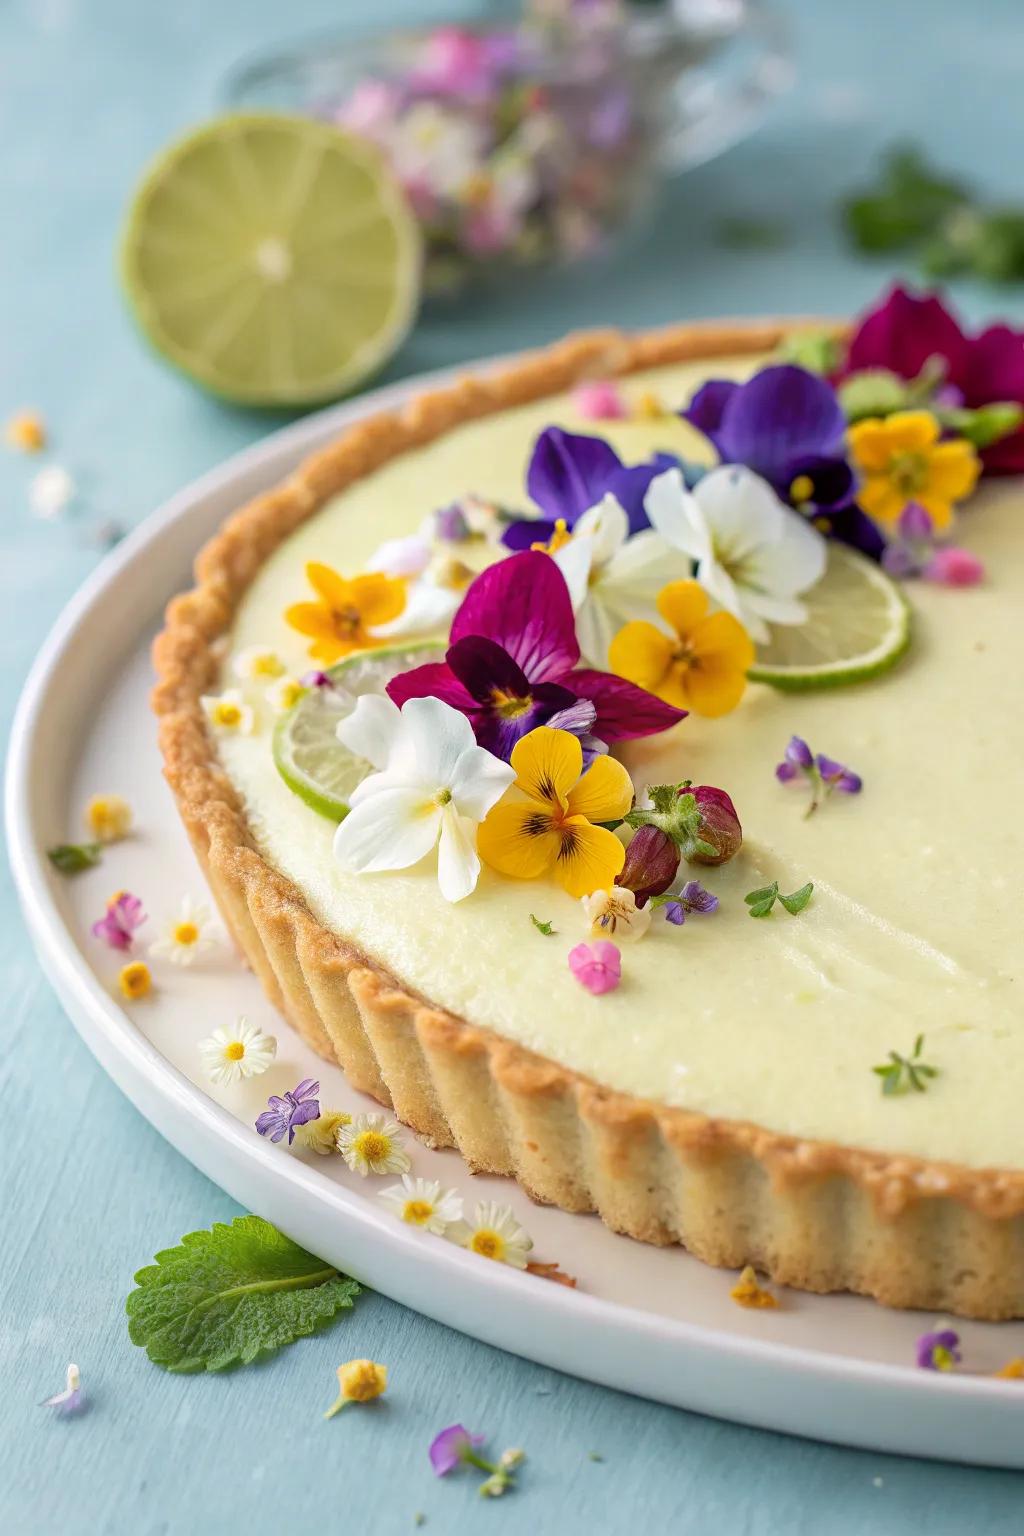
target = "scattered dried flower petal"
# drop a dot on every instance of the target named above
(748, 1293)
(135, 980)
(118, 924)
(72, 1397)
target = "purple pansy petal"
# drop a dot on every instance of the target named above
(630, 484)
(568, 472)
(697, 899)
(624, 711)
(830, 477)
(929, 1344)
(483, 667)
(526, 532)
(675, 913)
(849, 525)
(706, 409)
(435, 680)
(523, 603)
(783, 413)
(448, 1449)
(577, 717)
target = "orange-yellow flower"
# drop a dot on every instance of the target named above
(551, 830)
(702, 667)
(347, 610)
(902, 459)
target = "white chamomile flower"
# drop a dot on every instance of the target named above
(51, 492)
(373, 1144)
(285, 694)
(238, 1051)
(187, 935)
(495, 1234)
(228, 712)
(258, 664)
(423, 1203)
(615, 912)
(612, 578)
(754, 555)
(432, 788)
(321, 1135)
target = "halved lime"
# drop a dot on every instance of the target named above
(858, 626)
(275, 259)
(307, 752)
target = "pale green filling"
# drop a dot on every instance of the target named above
(916, 920)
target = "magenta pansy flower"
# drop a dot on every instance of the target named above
(512, 665)
(597, 966)
(569, 473)
(118, 924)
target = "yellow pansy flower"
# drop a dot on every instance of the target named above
(347, 611)
(702, 667)
(551, 829)
(902, 459)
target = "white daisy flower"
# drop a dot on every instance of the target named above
(285, 694)
(373, 1144)
(616, 912)
(239, 1051)
(51, 492)
(423, 1203)
(228, 712)
(495, 1234)
(258, 664)
(321, 1135)
(187, 935)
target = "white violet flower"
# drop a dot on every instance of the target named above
(373, 1144)
(321, 1135)
(754, 555)
(615, 912)
(423, 1203)
(432, 788)
(239, 1051)
(258, 664)
(228, 712)
(495, 1234)
(188, 935)
(51, 492)
(612, 578)
(285, 694)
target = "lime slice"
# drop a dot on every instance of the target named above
(858, 626)
(307, 752)
(274, 259)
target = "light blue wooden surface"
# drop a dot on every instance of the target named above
(88, 89)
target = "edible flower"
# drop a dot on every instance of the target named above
(51, 491)
(914, 550)
(822, 773)
(938, 1351)
(748, 1293)
(652, 862)
(599, 400)
(345, 616)
(258, 664)
(135, 980)
(454, 1447)
(494, 1233)
(359, 1381)
(902, 459)
(700, 820)
(321, 1135)
(693, 898)
(423, 1203)
(1013, 1370)
(597, 967)
(701, 666)
(108, 818)
(432, 787)
(118, 924)
(512, 665)
(754, 556)
(569, 473)
(373, 1144)
(616, 911)
(285, 693)
(435, 585)
(286, 1112)
(72, 1397)
(228, 713)
(25, 431)
(236, 1052)
(552, 828)
(187, 935)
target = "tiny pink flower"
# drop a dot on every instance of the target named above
(118, 924)
(597, 966)
(953, 567)
(599, 400)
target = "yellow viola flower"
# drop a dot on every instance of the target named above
(702, 666)
(551, 829)
(346, 612)
(902, 459)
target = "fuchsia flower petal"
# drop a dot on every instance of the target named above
(904, 332)
(624, 711)
(954, 567)
(597, 966)
(118, 924)
(523, 604)
(599, 400)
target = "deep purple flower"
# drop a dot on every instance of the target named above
(836, 776)
(452, 1447)
(797, 758)
(692, 898)
(512, 665)
(938, 1351)
(297, 1107)
(915, 551)
(118, 924)
(823, 773)
(569, 473)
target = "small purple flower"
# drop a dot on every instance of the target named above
(824, 774)
(835, 776)
(450, 524)
(297, 1107)
(118, 924)
(692, 898)
(73, 1396)
(797, 759)
(452, 1448)
(916, 551)
(938, 1351)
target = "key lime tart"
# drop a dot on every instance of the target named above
(608, 761)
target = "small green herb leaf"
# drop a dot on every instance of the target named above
(547, 929)
(798, 900)
(72, 858)
(761, 901)
(230, 1296)
(901, 1074)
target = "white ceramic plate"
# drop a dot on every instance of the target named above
(651, 1321)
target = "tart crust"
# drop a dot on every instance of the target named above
(812, 1214)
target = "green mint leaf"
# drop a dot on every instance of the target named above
(545, 928)
(761, 901)
(72, 858)
(796, 902)
(230, 1296)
